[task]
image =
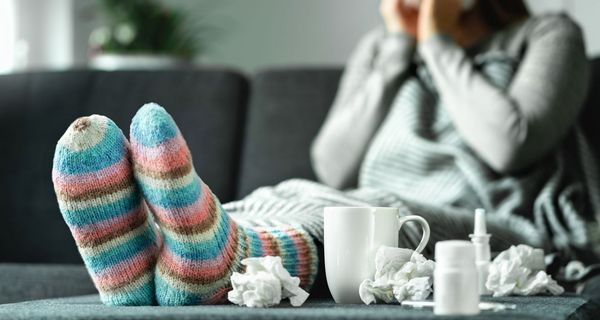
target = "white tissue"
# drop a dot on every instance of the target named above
(265, 283)
(400, 274)
(520, 271)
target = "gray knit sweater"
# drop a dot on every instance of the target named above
(490, 126)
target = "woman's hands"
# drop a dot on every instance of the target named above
(438, 16)
(398, 17)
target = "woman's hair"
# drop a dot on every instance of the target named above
(499, 14)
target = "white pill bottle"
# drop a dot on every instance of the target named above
(455, 279)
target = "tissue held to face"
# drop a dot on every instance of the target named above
(464, 20)
(466, 4)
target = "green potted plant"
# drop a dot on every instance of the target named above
(144, 34)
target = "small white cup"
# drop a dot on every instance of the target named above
(352, 237)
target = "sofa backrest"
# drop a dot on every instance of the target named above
(287, 107)
(285, 112)
(36, 108)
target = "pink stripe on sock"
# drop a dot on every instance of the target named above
(166, 156)
(102, 228)
(202, 268)
(76, 184)
(126, 270)
(190, 215)
(171, 145)
(298, 243)
(267, 242)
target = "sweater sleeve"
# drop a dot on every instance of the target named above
(367, 87)
(514, 128)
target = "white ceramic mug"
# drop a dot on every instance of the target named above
(352, 237)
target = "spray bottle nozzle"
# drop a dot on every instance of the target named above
(480, 223)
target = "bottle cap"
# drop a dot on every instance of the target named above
(455, 253)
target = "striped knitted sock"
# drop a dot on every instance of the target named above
(203, 246)
(102, 206)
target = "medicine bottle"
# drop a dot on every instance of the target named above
(455, 279)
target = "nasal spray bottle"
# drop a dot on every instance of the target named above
(481, 240)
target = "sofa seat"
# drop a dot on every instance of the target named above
(23, 281)
(90, 307)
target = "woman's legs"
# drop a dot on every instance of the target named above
(102, 206)
(203, 246)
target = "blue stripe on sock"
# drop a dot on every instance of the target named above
(166, 294)
(104, 154)
(202, 250)
(288, 250)
(256, 249)
(99, 262)
(152, 125)
(143, 295)
(106, 211)
(173, 198)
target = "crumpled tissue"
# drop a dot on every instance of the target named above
(264, 284)
(400, 274)
(520, 271)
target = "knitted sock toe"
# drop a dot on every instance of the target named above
(203, 246)
(102, 206)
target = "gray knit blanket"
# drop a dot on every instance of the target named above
(419, 163)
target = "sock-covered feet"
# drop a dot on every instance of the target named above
(203, 246)
(102, 206)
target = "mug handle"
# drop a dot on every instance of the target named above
(424, 226)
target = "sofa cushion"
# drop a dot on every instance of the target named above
(89, 307)
(22, 282)
(36, 108)
(286, 110)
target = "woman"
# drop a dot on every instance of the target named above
(438, 114)
(466, 110)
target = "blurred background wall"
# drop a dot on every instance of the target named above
(252, 34)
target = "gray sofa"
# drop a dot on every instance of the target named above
(244, 132)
